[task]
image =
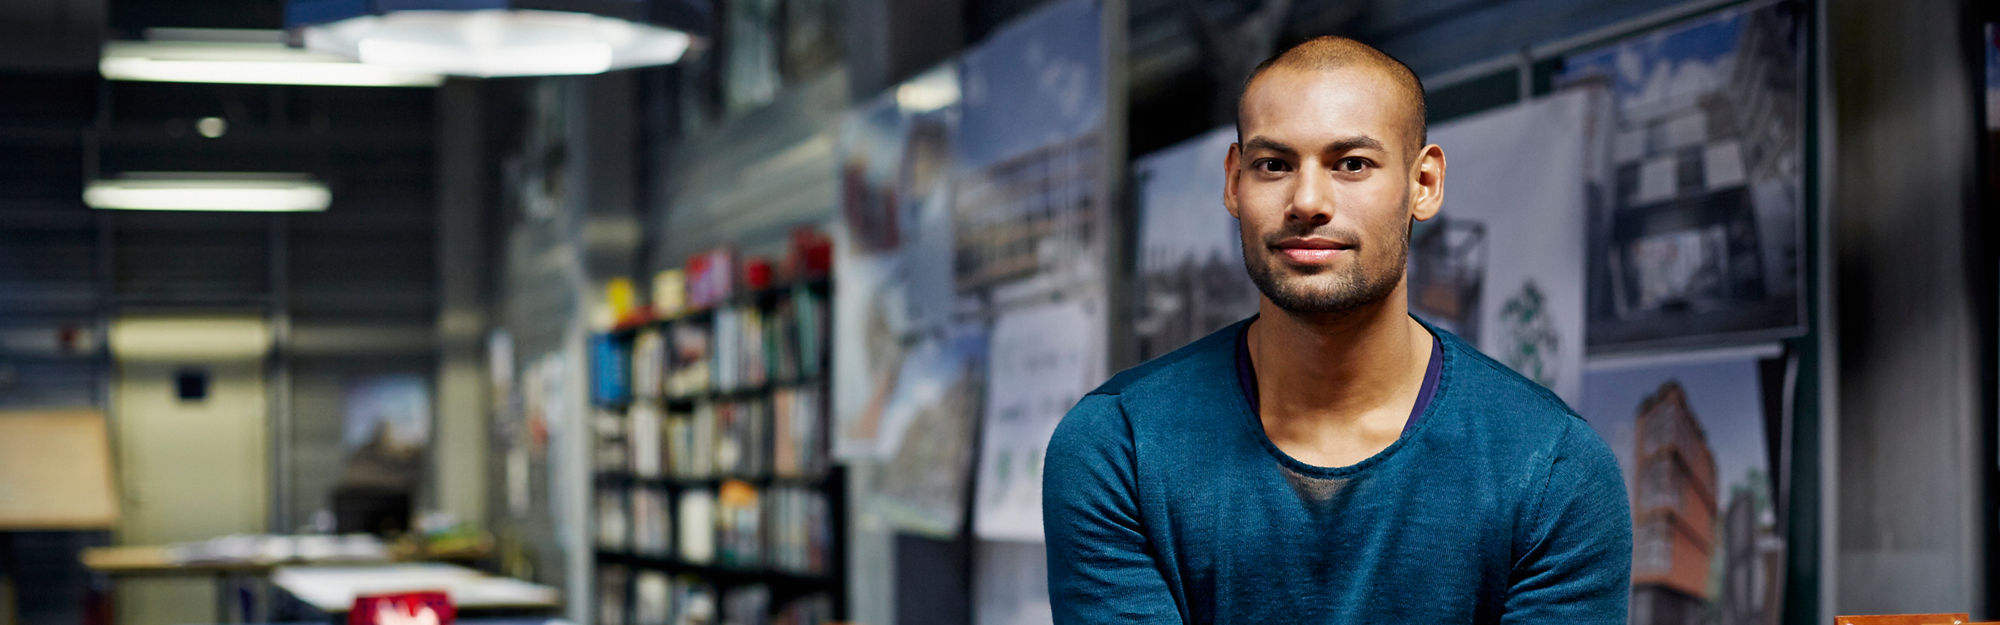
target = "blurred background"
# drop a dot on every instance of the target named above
(640, 312)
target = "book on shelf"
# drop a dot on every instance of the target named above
(810, 322)
(742, 442)
(730, 449)
(678, 434)
(781, 344)
(784, 433)
(610, 373)
(643, 421)
(649, 363)
(688, 371)
(727, 350)
(737, 525)
(800, 533)
(701, 442)
(694, 514)
(660, 598)
(611, 586)
(740, 359)
(652, 523)
(747, 605)
(612, 449)
(652, 598)
(614, 518)
(797, 432)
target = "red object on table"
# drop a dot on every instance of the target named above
(404, 608)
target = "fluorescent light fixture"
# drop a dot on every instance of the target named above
(552, 59)
(238, 59)
(243, 192)
(498, 42)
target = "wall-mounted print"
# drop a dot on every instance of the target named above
(1697, 226)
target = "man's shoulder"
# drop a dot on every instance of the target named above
(1168, 400)
(1511, 415)
(1205, 358)
(1489, 384)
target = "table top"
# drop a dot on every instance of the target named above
(158, 559)
(463, 621)
(332, 589)
(137, 560)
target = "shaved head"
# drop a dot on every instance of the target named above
(1330, 53)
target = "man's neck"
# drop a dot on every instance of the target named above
(1359, 369)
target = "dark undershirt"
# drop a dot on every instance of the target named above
(1247, 373)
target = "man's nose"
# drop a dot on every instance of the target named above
(1312, 199)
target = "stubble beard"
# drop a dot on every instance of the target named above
(1334, 292)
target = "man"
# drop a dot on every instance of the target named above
(1332, 459)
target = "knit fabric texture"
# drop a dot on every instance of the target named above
(1165, 502)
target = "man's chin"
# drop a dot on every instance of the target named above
(1320, 294)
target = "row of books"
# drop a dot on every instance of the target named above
(782, 435)
(737, 347)
(735, 526)
(657, 598)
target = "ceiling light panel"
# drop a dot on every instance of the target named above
(238, 192)
(248, 62)
(491, 38)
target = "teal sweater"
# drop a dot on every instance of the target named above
(1164, 502)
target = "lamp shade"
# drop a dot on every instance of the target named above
(489, 38)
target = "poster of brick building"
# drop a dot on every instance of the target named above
(1697, 229)
(1693, 438)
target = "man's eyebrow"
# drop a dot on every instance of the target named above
(1362, 142)
(1260, 143)
(1349, 144)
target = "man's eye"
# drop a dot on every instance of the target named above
(1270, 165)
(1351, 165)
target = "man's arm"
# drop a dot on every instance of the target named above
(1577, 567)
(1100, 570)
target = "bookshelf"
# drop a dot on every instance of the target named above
(714, 493)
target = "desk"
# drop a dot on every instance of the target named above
(158, 560)
(231, 573)
(466, 621)
(332, 589)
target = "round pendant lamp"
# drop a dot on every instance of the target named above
(492, 38)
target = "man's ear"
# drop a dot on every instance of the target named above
(1229, 179)
(1427, 183)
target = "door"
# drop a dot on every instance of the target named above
(190, 411)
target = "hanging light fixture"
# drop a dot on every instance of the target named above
(208, 191)
(211, 55)
(490, 38)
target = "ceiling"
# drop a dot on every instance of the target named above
(369, 256)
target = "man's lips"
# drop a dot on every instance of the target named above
(1310, 250)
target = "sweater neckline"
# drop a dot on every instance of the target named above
(1446, 351)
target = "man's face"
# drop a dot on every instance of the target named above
(1325, 183)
